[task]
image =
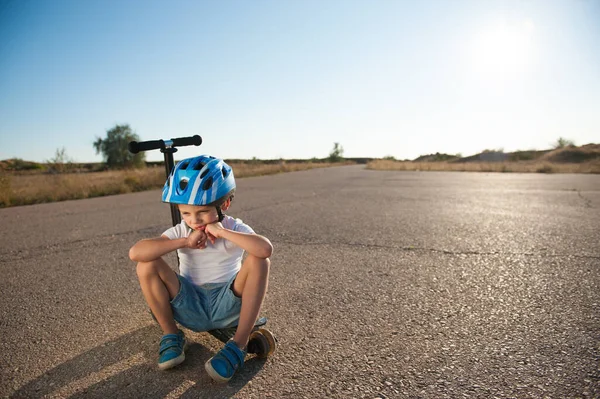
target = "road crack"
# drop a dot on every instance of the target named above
(435, 250)
(66, 246)
(586, 201)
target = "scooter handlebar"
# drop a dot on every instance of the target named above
(135, 147)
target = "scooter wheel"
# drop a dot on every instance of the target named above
(262, 343)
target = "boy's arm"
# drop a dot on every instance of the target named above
(254, 244)
(153, 248)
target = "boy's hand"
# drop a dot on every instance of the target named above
(197, 239)
(214, 231)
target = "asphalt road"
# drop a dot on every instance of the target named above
(383, 285)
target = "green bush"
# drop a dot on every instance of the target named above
(337, 153)
(19, 164)
(522, 156)
(563, 142)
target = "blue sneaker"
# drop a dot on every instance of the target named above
(224, 364)
(171, 351)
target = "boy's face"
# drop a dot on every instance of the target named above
(198, 216)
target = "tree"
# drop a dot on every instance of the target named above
(114, 148)
(562, 143)
(336, 153)
(61, 161)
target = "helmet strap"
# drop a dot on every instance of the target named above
(220, 213)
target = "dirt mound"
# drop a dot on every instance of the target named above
(584, 153)
(486, 156)
(580, 154)
(437, 157)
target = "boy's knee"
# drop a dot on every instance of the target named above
(267, 263)
(146, 269)
(259, 263)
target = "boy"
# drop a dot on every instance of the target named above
(214, 288)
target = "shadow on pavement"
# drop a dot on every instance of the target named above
(126, 368)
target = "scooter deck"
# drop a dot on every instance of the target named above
(225, 334)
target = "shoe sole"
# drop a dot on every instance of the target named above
(213, 373)
(176, 361)
(172, 363)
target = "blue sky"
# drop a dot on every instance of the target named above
(287, 79)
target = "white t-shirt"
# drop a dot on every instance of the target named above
(216, 263)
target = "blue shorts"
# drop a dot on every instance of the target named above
(206, 307)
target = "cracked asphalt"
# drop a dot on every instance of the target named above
(383, 285)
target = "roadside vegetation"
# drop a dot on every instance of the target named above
(38, 185)
(564, 158)
(58, 179)
(503, 167)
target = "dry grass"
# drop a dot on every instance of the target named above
(584, 153)
(33, 188)
(24, 188)
(506, 167)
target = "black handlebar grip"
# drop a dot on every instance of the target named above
(183, 141)
(135, 147)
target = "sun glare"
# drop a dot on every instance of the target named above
(503, 50)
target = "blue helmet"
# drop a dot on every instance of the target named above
(202, 180)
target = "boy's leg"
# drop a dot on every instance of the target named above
(251, 285)
(159, 285)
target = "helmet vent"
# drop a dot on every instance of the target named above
(199, 165)
(224, 171)
(183, 184)
(184, 165)
(207, 183)
(203, 174)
